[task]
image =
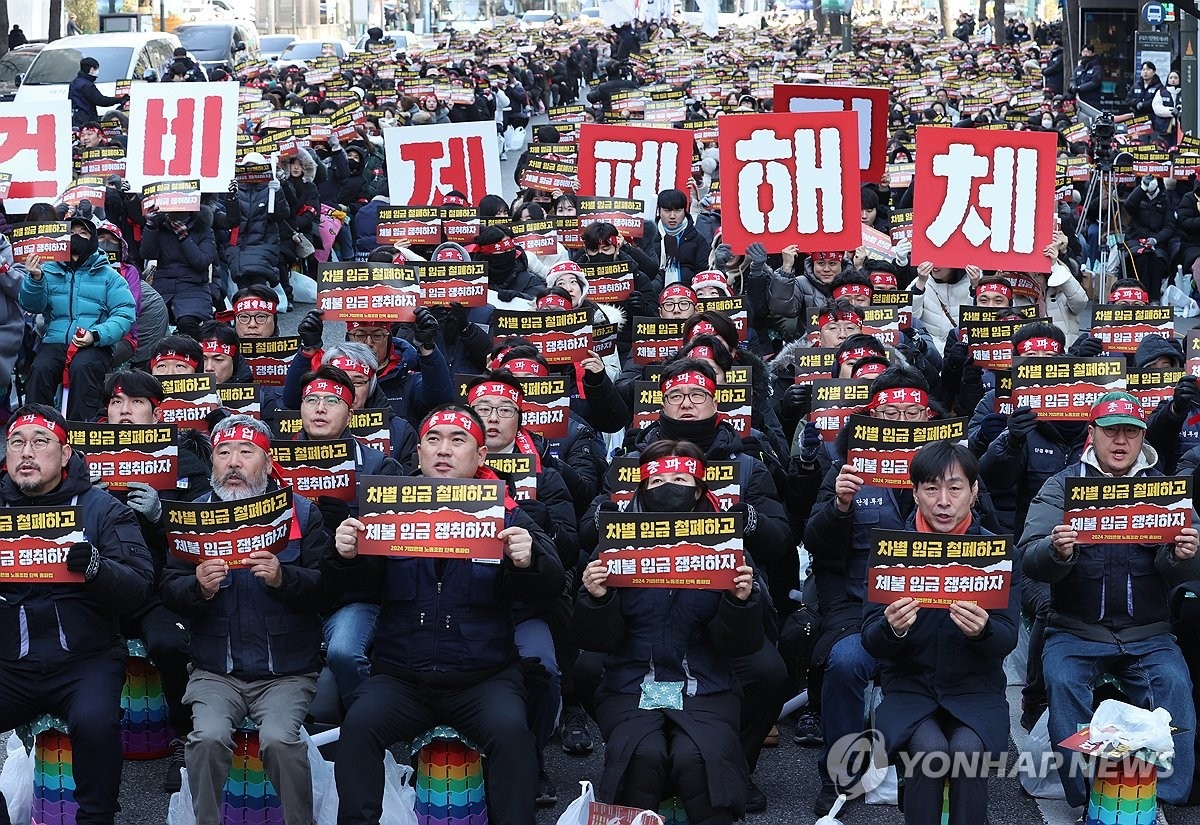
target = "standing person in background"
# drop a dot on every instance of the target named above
(85, 97)
(73, 27)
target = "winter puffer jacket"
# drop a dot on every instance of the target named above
(256, 256)
(181, 260)
(90, 294)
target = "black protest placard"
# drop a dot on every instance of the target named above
(1153, 386)
(431, 518)
(656, 339)
(519, 470)
(548, 174)
(939, 569)
(562, 337)
(229, 530)
(536, 237)
(104, 161)
(990, 342)
(34, 542)
(881, 450)
(1063, 388)
(317, 468)
(269, 358)
(419, 224)
(623, 213)
(1122, 328)
(732, 308)
(50, 241)
(813, 363)
(609, 282)
(1142, 510)
(371, 428)
(443, 283)
(117, 454)
(834, 400)
(367, 292)
(241, 399)
(188, 400)
(697, 551)
(733, 405)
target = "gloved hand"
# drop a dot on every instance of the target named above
(723, 256)
(311, 330)
(333, 512)
(1087, 347)
(334, 143)
(179, 228)
(757, 253)
(605, 507)
(972, 375)
(144, 499)
(636, 305)
(539, 512)
(426, 327)
(912, 343)
(233, 188)
(955, 354)
(84, 559)
(1020, 424)
(810, 443)
(1150, 185)
(750, 523)
(796, 402)
(506, 295)
(902, 252)
(1187, 393)
(274, 185)
(991, 426)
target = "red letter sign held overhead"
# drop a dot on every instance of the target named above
(984, 197)
(425, 164)
(182, 134)
(633, 162)
(869, 104)
(35, 148)
(790, 179)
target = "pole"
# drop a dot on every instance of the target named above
(162, 15)
(847, 30)
(1190, 88)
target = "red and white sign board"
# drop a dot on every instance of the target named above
(35, 148)
(790, 179)
(633, 162)
(869, 104)
(986, 198)
(425, 164)
(182, 131)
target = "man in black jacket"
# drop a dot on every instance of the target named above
(1086, 82)
(61, 651)
(85, 97)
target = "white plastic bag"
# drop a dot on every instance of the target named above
(16, 780)
(577, 812)
(881, 785)
(180, 811)
(1039, 777)
(324, 791)
(1184, 304)
(399, 795)
(514, 138)
(1134, 727)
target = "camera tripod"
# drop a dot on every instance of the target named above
(1111, 256)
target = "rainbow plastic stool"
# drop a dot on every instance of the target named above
(250, 798)
(1124, 794)
(449, 779)
(53, 778)
(672, 812)
(145, 731)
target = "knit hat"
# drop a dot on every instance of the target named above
(567, 268)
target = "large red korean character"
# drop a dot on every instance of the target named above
(424, 165)
(35, 148)
(984, 197)
(790, 179)
(869, 104)
(182, 131)
(633, 162)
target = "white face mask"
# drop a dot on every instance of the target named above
(94, 72)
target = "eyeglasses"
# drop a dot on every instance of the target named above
(909, 414)
(486, 411)
(376, 337)
(673, 306)
(259, 318)
(322, 400)
(39, 444)
(1128, 430)
(695, 396)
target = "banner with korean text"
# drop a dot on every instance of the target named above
(938, 569)
(699, 551)
(431, 518)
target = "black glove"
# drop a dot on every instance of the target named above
(955, 354)
(796, 402)
(1020, 424)
(609, 506)
(750, 523)
(333, 512)
(723, 256)
(85, 559)
(636, 304)
(454, 320)
(972, 375)
(991, 426)
(912, 344)
(757, 253)
(1187, 393)
(1087, 347)
(810, 443)
(311, 330)
(539, 512)
(426, 327)
(506, 295)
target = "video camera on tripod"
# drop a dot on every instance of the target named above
(1103, 133)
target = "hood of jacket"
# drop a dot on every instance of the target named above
(1146, 460)
(76, 481)
(1155, 346)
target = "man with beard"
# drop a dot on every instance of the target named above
(256, 635)
(61, 651)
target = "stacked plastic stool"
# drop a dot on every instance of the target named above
(146, 732)
(53, 772)
(1126, 793)
(250, 798)
(449, 779)
(672, 812)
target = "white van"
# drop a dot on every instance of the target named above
(122, 56)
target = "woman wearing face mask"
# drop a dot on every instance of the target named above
(1165, 109)
(667, 703)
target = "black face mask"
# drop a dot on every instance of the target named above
(81, 247)
(355, 167)
(668, 498)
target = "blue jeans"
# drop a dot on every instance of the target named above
(843, 694)
(534, 641)
(348, 635)
(1152, 673)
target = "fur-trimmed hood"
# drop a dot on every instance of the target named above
(307, 162)
(782, 363)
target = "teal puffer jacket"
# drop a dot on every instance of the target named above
(92, 295)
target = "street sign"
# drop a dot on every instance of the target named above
(1154, 13)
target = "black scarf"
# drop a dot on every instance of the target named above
(702, 433)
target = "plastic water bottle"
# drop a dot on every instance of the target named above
(831, 817)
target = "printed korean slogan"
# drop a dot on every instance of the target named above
(34, 542)
(117, 454)
(881, 451)
(431, 518)
(229, 530)
(1122, 328)
(1062, 388)
(369, 427)
(1148, 510)
(699, 551)
(724, 480)
(189, 400)
(317, 468)
(938, 569)
(269, 358)
(367, 292)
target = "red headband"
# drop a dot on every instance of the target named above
(881, 279)
(454, 200)
(678, 291)
(253, 305)
(527, 365)
(453, 418)
(673, 464)
(505, 244)
(704, 352)
(35, 420)
(1038, 344)
(847, 290)
(1128, 293)
(553, 302)
(325, 386)
(242, 433)
(350, 365)
(690, 379)
(899, 395)
(870, 370)
(494, 388)
(855, 354)
(995, 286)
(211, 346)
(827, 256)
(174, 355)
(841, 315)
(1118, 406)
(702, 328)
(710, 277)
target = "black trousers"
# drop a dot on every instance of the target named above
(88, 368)
(923, 794)
(86, 692)
(388, 710)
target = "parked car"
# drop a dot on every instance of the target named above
(220, 44)
(13, 67)
(299, 52)
(270, 46)
(122, 56)
(405, 41)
